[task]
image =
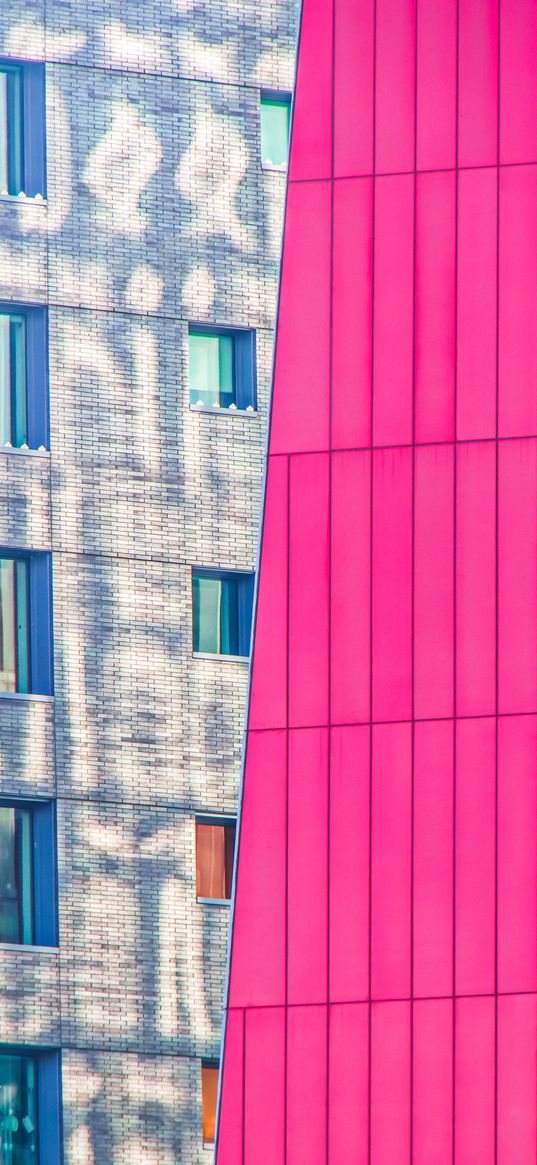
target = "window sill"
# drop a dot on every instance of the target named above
(24, 199)
(229, 412)
(214, 901)
(209, 1146)
(25, 452)
(33, 697)
(221, 658)
(271, 166)
(31, 947)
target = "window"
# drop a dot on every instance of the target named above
(209, 1096)
(215, 848)
(23, 377)
(22, 133)
(25, 620)
(222, 612)
(29, 1107)
(27, 873)
(222, 368)
(275, 121)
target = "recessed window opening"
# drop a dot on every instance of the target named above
(27, 873)
(11, 130)
(14, 625)
(209, 1096)
(23, 377)
(222, 368)
(22, 129)
(275, 124)
(222, 612)
(18, 1109)
(215, 849)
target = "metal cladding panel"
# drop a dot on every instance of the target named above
(383, 969)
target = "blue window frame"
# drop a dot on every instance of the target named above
(222, 612)
(25, 623)
(222, 368)
(28, 873)
(22, 127)
(275, 126)
(29, 1106)
(23, 377)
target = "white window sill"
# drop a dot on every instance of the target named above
(221, 658)
(33, 697)
(229, 412)
(24, 199)
(29, 947)
(209, 1147)
(214, 901)
(25, 452)
(271, 166)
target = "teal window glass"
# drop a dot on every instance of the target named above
(14, 626)
(18, 1110)
(222, 612)
(275, 116)
(11, 144)
(212, 376)
(13, 407)
(16, 875)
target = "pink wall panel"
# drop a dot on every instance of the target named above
(475, 575)
(475, 849)
(350, 587)
(390, 1083)
(395, 84)
(309, 571)
(518, 81)
(352, 316)
(478, 82)
(392, 584)
(393, 307)
(518, 300)
(517, 1079)
(474, 1081)
(436, 84)
(349, 862)
(433, 580)
(353, 87)
(476, 303)
(307, 870)
(517, 853)
(433, 858)
(232, 1112)
(260, 908)
(264, 1108)
(268, 705)
(435, 307)
(432, 1139)
(348, 1084)
(517, 583)
(391, 856)
(300, 412)
(306, 1085)
(311, 153)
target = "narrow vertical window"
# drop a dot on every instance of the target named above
(275, 121)
(16, 875)
(209, 1094)
(14, 625)
(13, 398)
(222, 612)
(18, 1109)
(11, 137)
(215, 848)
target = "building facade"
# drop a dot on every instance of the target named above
(140, 219)
(382, 995)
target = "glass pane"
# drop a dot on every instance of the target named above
(209, 1092)
(229, 617)
(3, 131)
(206, 603)
(14, 131)
(18, 1110)
(226, 378)
(204, 369)
(229, 846)
(274, 132)
(5, 364)
(8, 627)
(17, 359)
(210, 861)
(23, 624)
(16, 922)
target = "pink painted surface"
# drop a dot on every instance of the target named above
(382, 998)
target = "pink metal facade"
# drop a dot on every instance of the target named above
(382, 993)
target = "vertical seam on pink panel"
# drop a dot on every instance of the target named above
(243, 1141)
(287, 730)
(329, 728)
(455, 709)
(412, 597)
(371, 467)
(496, 613)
